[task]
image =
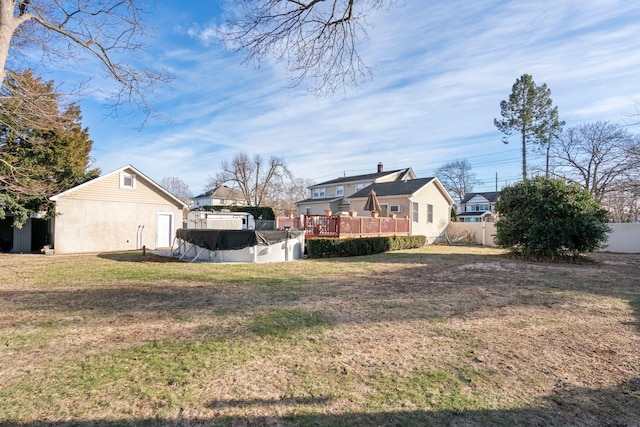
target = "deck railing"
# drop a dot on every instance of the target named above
(346, 226)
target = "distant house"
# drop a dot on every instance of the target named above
(424, 200)
(478, 207)
(220, 196)
(122, 210)
(333, 195)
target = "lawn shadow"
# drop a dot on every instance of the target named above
(137, 256)
(432, 286)
(616, 406)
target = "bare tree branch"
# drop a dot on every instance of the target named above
(457, 178)
(178, 188)
(597, 155)
(315, 40)
(251, 177)
(107, 31)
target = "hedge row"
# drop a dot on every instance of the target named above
(318, 248)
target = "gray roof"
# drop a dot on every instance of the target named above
(319, 200)
(475, 213)
(366, 177)
(223, 192)
(491, 196)
(394, 188)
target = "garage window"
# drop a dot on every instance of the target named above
(127, 180)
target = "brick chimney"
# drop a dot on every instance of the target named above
(380, 167)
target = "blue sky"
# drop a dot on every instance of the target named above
(440, 70)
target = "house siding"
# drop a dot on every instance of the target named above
(101, 226)
(319, 208)
(430, 195)
(108, 189)
(357, 205)
(99, 216)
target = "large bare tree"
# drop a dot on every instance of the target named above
(284, 195)
(623, 201)
(457, 178)
(598, 156)
(178, 188)
(316, 40)
(255, 177)
(108, 31)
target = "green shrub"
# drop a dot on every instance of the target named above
(318, 248)
(548, 217)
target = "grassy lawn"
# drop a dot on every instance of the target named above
(440, 335)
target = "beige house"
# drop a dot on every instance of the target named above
(122, 210)
(423, 200)
(334, 195)
(220, 196)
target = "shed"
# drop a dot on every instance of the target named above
(122, 210)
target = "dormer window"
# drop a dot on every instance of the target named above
(127, 180)
(362, 185)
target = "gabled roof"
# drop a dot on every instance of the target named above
(127, 167)
(319, 200)
(491, 196)
(394, 188)
(366, 177)
(222, 192)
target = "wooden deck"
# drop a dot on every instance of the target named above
(345, 226)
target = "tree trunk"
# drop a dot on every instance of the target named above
(8, 24)
(7, 27)
(524, 154)
(547, 168)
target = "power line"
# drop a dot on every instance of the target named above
(439, 163)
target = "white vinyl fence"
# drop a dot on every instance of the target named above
(624, 238)
(473, 233)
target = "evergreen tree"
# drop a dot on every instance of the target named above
(529, 112)
(547, 217)
(44, 149)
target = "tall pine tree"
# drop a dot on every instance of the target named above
(529, 112)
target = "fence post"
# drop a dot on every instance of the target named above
(483, 233)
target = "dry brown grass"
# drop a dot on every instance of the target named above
(441, 335)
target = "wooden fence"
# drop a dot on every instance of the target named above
(346, 226)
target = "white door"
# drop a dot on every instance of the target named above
(163, 230)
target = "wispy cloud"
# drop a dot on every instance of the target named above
(440, 71)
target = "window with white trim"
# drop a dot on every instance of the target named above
(340, 190)
(318, 193)
(395, 208)
(416, 211)
(127, 180)
(430, 214)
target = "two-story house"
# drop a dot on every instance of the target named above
(220, 196)
(333, 195)
(424, 201)
(478, 207)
